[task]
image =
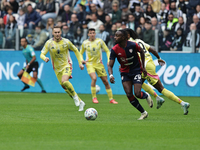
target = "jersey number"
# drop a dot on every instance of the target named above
(142, 46)
(137, 77)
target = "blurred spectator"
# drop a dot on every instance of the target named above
(78, 38)
(116, 13)
(178, 40)
(125, 12)
(9, 13)
(180, 24)
(66, 15)
(95, 23)
(2, 25)
(93, 8)
(71, 3)
(27, 2)
(111, 43)
(22, 6)
(123, 3)
(59, 23)
(104, 35)
(82, 2)
(66, 34)
(107, 7)
(138, 14)
(176, 12)
(82, 13)
(98, 3)
(14, 5)
(10, 32)
(148, 34)
(32, 18)
(30, 39)
(156, 5)
(144, 5)
(39, 37)
(165, 40)
(119, 25)
(196, 22)
(167, 4)
(108, 23)
(40, 7)
(101, 15)
(132, 24)
(50, 11)
(74, 23)
(142, 23)
(123, 25)
(191, 9)
(49, 26)
(162, 15)
(171, 23)
(150, 13)
(182, 6)
(139, 33)
(21, 19)
(198, 11)
(155, 24)
(134, 3)
(188, 40)
(84, 30)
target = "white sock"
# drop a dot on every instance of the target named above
(182, 103)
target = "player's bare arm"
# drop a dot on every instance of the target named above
(155, 53)
(110, 71)
(143, 61)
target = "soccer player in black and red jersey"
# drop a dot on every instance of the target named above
(131, 70)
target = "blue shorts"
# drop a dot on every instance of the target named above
(135, 78)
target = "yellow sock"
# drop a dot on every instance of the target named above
(71, 95)
(109, 92)
(93, 91)
(69, 88)
(171, 96)
(149, 90)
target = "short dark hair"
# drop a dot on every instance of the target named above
(25, 39)
(91, 29)
(29, 5)
(124, 33)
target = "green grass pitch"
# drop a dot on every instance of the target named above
(38, 121)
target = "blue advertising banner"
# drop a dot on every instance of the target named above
(180, 74)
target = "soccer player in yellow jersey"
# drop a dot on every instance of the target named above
(93, 47)
(152, 77)
(58, 48)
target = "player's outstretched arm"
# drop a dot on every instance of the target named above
(155, 53)
(110, 71)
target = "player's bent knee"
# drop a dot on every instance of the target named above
(138, 94)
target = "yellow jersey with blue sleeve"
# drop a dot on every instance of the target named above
(60, 55)
(94, 50)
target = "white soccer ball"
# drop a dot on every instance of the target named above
(91, 114)
(97, 88)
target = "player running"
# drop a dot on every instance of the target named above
(58, 48)
(152, 77)
(32, 64)
(131, 69)
(93, 47)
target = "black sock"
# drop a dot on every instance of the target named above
(136, 104)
